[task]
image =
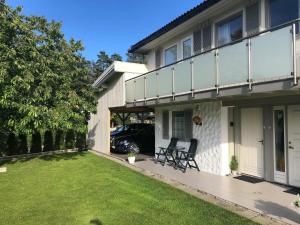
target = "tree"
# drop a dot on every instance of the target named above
(102, 63)
(44, 82)
(12, 147)
(59, 140)
(36, 142)
(48, 141)
(70, 139)
(22, 144)
(81, 141)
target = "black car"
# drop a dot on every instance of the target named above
(138, 138)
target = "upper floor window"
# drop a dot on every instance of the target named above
(282, 11)
(187, 48)
(230, 30)
(171, 55)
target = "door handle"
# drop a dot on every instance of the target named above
(262, 142)
(291, 147)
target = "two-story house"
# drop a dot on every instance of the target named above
(231, 63)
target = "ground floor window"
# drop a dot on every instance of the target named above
(182, 126)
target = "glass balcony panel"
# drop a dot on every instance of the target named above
(233, 64)
(204, 71)
(140, 88)
(151, 85)
(130, 89)
(272, 55)
(164, 81)
(182, 77)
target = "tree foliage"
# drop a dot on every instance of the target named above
(102, 63)
(59, 143)
(43, 77)
(12, 146)
(22, 144)
(48, 141)
(70, 139)
(36, 142)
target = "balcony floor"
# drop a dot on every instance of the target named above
(266, 198)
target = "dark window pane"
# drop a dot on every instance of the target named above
(279, 140)
(282, 11)
(252, 18)
(207, 38)
(178, 125)
(171, 55)
(231, 30)
(187, 48)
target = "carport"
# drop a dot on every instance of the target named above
(141, 115)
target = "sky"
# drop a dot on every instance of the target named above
(108, 25)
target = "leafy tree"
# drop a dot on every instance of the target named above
(59, 140)
(36, 142)
(44, 82)
(48, 141)
(102, 63)
(12, 147)
(81, 141)
(70, 139)
(22, 144)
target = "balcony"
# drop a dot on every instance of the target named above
(267, 57)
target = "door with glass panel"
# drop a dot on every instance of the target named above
(279, 145)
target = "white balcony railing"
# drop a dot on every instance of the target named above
(267, 56)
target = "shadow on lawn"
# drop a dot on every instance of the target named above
(96, 222)
(54, 157)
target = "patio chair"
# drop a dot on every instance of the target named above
(167, 153)
(184, 159)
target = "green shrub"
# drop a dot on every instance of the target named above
(22, 144)
(36, 142)
(234, 165)
(12, 146)
(81, 141)
(48, 141)
(59, 140)
(70, 139)
(3, 143)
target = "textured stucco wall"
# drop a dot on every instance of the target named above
(212, 153)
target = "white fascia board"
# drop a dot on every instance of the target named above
(120, 67)
(127, 67)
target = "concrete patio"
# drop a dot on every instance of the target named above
(265, 198)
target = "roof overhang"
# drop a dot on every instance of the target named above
(119, 68)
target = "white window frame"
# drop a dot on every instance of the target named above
(190, 37)
(280, 177)
(164, 53)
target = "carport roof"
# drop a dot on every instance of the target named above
(131, 109)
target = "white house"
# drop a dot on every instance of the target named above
(234, 64)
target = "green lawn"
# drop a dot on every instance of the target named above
(86, 189)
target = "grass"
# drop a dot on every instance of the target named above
(78, 189)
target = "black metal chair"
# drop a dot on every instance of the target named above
(183, 159)
(167, 153)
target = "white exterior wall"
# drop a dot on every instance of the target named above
(213, 151)
(99, 124)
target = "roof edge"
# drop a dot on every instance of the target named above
(206, 4)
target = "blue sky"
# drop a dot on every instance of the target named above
(109, 25)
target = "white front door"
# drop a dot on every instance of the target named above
(294, 145)
(251, 154)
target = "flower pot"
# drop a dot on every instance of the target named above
(234, 173)
(131, 159)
